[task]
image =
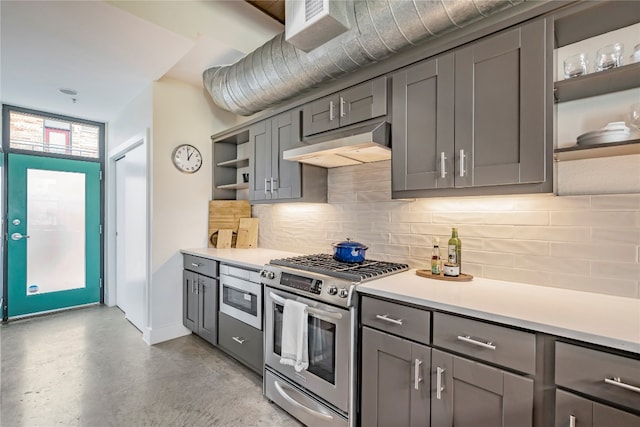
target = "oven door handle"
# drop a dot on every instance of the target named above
(299, 405)
(312, 310)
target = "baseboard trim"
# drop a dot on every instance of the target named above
(164, 333)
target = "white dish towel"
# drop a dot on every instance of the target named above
(295, 347)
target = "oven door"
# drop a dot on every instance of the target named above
(329, 347)
(241, 299)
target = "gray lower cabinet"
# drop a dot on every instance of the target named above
(274, 178)
(395, 381)
(468, 393)
(475, 117)
(200, 298)
(242, 341)
(356, 104)
(576, 411)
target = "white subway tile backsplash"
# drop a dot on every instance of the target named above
(553, 234)
(594, 251)
(516, 246)
(589, 243)
(596, 218)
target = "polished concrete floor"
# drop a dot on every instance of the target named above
(90, 367)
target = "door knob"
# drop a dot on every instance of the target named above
(18, 236)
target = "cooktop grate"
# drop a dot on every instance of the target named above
(355, 272)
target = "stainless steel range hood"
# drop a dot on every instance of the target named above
(360, 144)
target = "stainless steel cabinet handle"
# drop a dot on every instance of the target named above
(18, 236)
(468, 339)
(572, 421)
(462, 156)
(195, 264)
(616, 381)
(443, 165)
(197, 288)
(239, 340)
(265, 186)
(342, 111)
(416, 376)
(439, 386)
(331, 117)
(389, 319)
(272, 186)
(193, 287)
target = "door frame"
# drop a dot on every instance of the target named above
(6, 150)
(141, 138)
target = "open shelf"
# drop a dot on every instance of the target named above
(579, 152)
(235, 163)
(598, 83)
(238, 186)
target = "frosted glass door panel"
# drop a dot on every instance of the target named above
(56, 230)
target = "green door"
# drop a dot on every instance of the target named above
(53, 224)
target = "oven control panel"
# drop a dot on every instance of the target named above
(307, 284)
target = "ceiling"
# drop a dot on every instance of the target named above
(110, 51)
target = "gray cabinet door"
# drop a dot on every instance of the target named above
(470, 394)
(587, 413)
(362, 102)
(423, 125)
(285, 133)
(500, 114)
(392, 395)
(321, 115)
(190, 300)
(260, 140)
(207, 308)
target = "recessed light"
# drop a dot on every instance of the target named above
(71, 92)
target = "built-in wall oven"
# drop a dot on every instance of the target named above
(241, 294)
(320, 395)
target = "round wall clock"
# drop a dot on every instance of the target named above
(186, 158)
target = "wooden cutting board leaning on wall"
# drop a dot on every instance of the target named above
(225, 215)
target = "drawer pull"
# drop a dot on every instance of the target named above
(416, 377)
(572, 421)
(468, 339)
(616, 381)
(439, 386)
(238, 340)
(195, 264)
(386, 318)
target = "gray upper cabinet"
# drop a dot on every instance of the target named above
(476, 117)
(423, 127)
(273, 177)
(362, 102)
(467, 393)
(276, 179)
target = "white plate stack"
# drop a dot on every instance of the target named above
(612, 132)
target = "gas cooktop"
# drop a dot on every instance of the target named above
(354, 272)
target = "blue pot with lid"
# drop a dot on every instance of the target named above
(349, 251)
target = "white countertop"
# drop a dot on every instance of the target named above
(251, 258)
(595, 318)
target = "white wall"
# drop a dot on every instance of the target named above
(181, 114)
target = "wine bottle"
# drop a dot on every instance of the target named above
(454, 253)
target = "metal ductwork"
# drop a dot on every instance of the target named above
(277, 70)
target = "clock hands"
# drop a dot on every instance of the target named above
(189, 154)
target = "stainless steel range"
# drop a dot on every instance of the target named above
(321, 394)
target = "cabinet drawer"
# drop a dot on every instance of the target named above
(496, 344)
(241, 340)
(204, 266)
(408, 322)
(596, 373)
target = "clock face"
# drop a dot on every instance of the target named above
(187, 158)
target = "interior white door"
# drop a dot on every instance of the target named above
(131, 235)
